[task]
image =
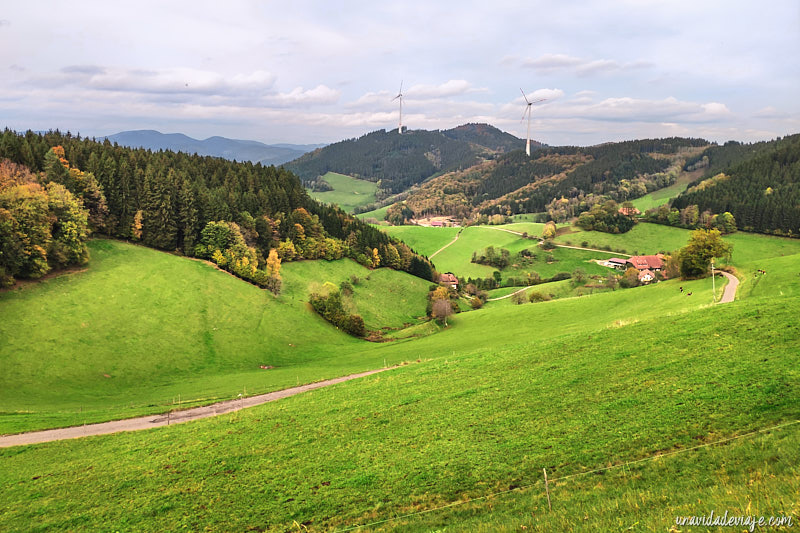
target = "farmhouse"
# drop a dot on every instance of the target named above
(646, 262)
(646, 276)
(437, 223)
(449, 280)
(629, 211)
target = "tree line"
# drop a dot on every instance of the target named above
(166, 200)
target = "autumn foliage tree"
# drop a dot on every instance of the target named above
(704, 245)
(41, 227)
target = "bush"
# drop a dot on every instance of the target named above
(539, 297)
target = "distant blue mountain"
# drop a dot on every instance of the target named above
(240, 150)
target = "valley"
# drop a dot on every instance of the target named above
(613, 391)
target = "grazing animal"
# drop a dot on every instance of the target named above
(688, 294)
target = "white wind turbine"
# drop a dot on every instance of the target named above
(400, 97)
(529, 111)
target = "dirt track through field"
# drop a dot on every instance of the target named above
(446, 245)
(177, 417)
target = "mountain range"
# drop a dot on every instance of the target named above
(232, 149)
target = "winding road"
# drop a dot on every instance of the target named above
(729, 293)
(176, 417)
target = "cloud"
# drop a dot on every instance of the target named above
(554, 63)
(162, 81)
(629, 110)
(320, 94)
(4, 22)
(448, 88)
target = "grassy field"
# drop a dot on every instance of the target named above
(423, 240)
(465, 426)
(141, 328)
(572, 385)
(457, 257)
(379, 214)
(646, 239)
(662, 196)
(347, 192)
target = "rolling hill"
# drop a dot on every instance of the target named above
(398, 161)
(611, 393)
(233, 149)
(514, 183)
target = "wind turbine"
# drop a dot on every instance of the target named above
(400, 97)
(529, 111)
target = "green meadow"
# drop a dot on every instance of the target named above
(454, 441)
(140, 329)
(378, 214)
(471, 423)
(348, 192)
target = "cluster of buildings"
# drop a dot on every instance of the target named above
(647, 265)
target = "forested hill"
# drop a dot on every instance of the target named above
(515, 183)
(398, 161)
(187, 203)
(758, 183)
(488, 137)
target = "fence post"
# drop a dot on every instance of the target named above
(547, 489)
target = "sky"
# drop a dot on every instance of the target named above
(317, 72)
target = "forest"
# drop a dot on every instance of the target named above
(167, 200)
(758, 184)
(398, 161)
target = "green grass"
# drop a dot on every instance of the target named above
(646, 239)
(462, 426)
(348, 193)
(379, 214)
(662, 196)
(164, 327)
(643, 239)
(383, 297)
(457, 257)
(424, 240)
(573, 385)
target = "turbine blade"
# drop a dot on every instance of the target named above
(523, 95)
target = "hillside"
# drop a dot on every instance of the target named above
(398, 161)
(573, 386)
(514, 183)
(136, 328)
(233, 149)
(759, 184)
(233, 213)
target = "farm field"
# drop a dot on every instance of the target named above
(457, 257)
(348, 192)
(163, 327)
(429, 434)
(662, 196)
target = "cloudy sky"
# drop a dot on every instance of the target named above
(313, 71)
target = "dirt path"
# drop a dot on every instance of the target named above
(729, 293)
(508, 295)
(177, 417)
(446, 245)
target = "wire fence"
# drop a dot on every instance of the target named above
(626, 464)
